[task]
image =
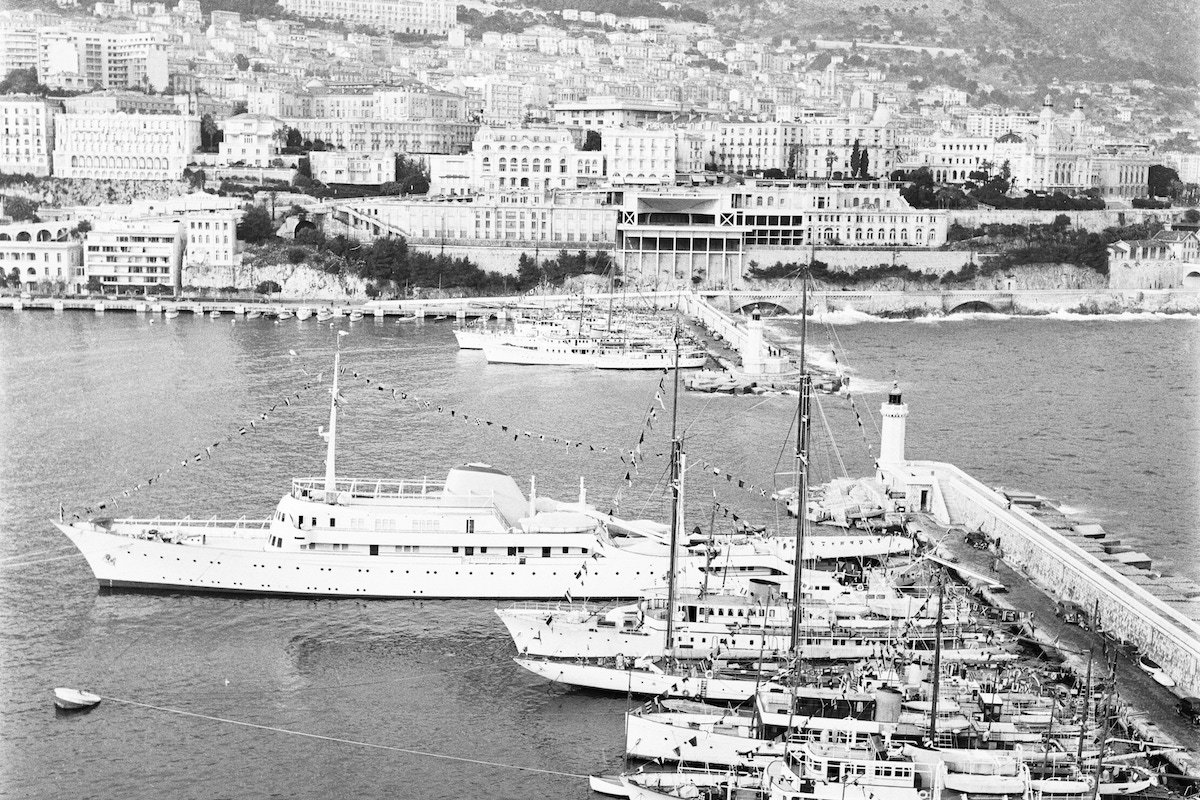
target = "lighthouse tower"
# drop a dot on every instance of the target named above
(752, 345)
(891, 440)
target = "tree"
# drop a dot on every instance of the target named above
(268, 287)
(21, 209)
(411, 175)
(592, 141)
(22, 81)
(528, 273)
(210, 134)
(240, 107)
(241, 62)
(1161, 180)
(1191, 216)
(256, 225)
(855, 160)
(864, 165)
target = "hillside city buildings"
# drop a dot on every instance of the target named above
(685, 152)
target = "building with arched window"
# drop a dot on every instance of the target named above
(43, 256)
(519, 161)
(154, 147)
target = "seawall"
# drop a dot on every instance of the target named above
(1128, 609)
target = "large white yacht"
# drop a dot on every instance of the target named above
(473, 535)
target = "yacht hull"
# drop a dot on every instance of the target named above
(240, 561)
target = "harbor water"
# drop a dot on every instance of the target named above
(254, 697)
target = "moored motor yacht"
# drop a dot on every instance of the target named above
(473, 535)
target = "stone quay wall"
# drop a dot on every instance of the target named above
(1068, 573)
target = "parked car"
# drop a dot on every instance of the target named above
(1189, 708)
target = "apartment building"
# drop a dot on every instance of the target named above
(407, 136)
(72, 59)
(611, 112)
(131, 256)
(27, 124)
(651, 156)
(402, 16)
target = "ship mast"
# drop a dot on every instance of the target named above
(331, 438)
(802, 414)
(675, 500)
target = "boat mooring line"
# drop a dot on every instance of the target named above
(338, 740)
(38, 561)
(8, 559)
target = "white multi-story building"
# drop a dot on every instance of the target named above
(209, 225)
(42, 256)
(124, 146)
(551, 222)
(131, 256)
(252, 140)
(403, 16)
(648, 157)
(952, 158)
(18, 47)
(995, 125)
(26, 135)
(70, 58)
(532, 159)
(359, 168)
(406, 136)
(611, 112)
(708, 235)
(110, 101)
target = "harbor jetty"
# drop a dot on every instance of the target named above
(1082, 598)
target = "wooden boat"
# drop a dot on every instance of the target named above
(255, 313)
(356, 315)
(171, 313)
(303, 313)
(74, 699)
(214, 314)
(285, 314)
(324, 314)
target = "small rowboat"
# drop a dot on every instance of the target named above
(254, 314)
(74, 699)
(324, 314)
(356, 315)
(171, 313)
(1155, 671)
(285, 314)
(214, 314)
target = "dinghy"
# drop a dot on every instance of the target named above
(74, 699)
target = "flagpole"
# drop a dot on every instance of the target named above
(330, 474)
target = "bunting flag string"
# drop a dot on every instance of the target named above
(200, 455)
(403, 395)
(853, 406)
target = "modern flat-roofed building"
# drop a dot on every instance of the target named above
(253, 140)
(610, 112)
(71, 59)
(132, 256)
(681, 236)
